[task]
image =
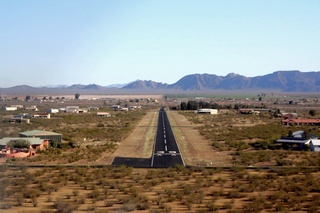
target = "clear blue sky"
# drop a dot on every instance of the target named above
(106, 42)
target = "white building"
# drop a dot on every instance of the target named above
(134, 107)
(31, 108)
(9, 108)
(207, 111)
(42, 115)
(52, 111)
(124, 109)
(72, 109)
(82, 110)
(315, 145)
(106, 114)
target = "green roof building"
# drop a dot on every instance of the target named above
(41, 134)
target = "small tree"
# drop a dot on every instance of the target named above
(183, 105)
(76, 96)
(19, 144)
(28, 97)
(55, 144)
(312, 112)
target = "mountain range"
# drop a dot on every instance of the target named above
(282, 81)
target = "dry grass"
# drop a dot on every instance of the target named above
(249, 140)
(293, 188)
(140, 142)
(195, 148)
(121, 189)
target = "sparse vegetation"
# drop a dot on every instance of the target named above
(262, 176)
(205, 190)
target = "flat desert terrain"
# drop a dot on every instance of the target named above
(195, 149)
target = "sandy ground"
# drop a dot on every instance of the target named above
(195, 148)
(140, 142)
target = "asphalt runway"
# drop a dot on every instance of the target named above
(166, 151)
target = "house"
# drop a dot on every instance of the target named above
(82, 110)
(315, 145)
(301, 142)
(287, 115)
(134, 107)
(52, 111)
(42, 115)
(124, 109)
(106, 114)
(297, 138)
(207, 111)
(31, 108)
(116, 107)
(63, 109)
(10, 108)
(16, 118)
(20, 152)
(72, 109)
(41, 134)
(21, 117)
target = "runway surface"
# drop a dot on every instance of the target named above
(166, 151)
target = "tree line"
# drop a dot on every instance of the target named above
(195, 105)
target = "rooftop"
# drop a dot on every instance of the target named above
(38, 133)
(293, 140)
(4, 141)
(315, 142)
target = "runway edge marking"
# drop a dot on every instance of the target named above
(175, 139)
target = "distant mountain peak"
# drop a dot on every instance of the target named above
(85, 87)
(145, 84)
(232, 74)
